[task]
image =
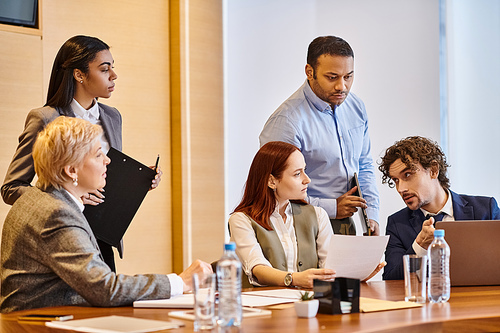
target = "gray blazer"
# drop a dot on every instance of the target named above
(21, 170)
(49, 257)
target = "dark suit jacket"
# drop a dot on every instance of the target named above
(404, 226)
(21, 170)
(49, 257)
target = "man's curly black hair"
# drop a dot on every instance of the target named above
(413, 150)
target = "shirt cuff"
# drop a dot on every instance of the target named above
(419, 251)
(329, 205)
(372, 214)
(176, 285)
(248, 271)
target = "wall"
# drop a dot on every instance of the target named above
(473, 39)
(396, 46)
(139, 35)
(20, 90)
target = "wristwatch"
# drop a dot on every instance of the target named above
(288, 279)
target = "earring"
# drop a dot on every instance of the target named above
(81, 81)
(75, 182)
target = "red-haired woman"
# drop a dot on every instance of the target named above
(280, 239)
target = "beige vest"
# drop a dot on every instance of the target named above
(305, 223)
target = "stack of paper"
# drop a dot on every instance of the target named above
(184, 301)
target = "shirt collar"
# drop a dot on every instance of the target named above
(81, 112)
(76, 200)
(288, 209)
(447, 208)
(318, 103)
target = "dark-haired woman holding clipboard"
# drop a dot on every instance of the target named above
(83, 72)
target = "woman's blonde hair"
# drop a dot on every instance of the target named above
(65, 141)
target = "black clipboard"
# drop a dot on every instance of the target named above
(127, 183)
(364, 216)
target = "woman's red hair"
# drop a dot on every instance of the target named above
(259, 201)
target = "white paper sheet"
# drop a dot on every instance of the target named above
(113, 324)
(247, 312)
(355, 256)
(184, 301)
(280, 293)
(256, 301)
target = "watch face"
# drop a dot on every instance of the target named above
(288, 279)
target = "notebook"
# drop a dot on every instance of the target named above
(475, 251)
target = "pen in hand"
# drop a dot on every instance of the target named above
(157, 161)
(157, 177)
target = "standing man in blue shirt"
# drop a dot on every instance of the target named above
(330, 127)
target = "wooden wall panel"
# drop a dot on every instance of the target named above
(207, 128)
(177, 78)
(197, 126)
(20, 91)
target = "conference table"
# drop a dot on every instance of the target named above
(470, 309)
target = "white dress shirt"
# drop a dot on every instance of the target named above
(448, 216)
(93, 116)
(248, 248)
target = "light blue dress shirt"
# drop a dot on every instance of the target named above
(335, 144)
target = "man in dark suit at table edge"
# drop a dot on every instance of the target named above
(417, 167)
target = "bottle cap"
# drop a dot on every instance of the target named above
(439, 233)
(230, 246)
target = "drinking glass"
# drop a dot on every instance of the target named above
(204, 299)
(415, 272)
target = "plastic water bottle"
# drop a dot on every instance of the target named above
(229, 282)
(439, 267)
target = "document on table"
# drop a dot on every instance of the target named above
(246, 311)
(373, 305)
(270, 297)
(256, 300)
(250, 299)
(114, 324)
(355, 257)
(278, 293)
(184, 301)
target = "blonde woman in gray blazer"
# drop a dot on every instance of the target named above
(49, 255)
(82, 73)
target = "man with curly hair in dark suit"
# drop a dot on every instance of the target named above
(417, 167)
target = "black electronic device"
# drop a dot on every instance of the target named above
(337, 297)
(19, 12)
(364, 216)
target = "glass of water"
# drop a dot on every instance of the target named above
(204, 299)
(415, 272)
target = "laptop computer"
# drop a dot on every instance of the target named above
(475, 251)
